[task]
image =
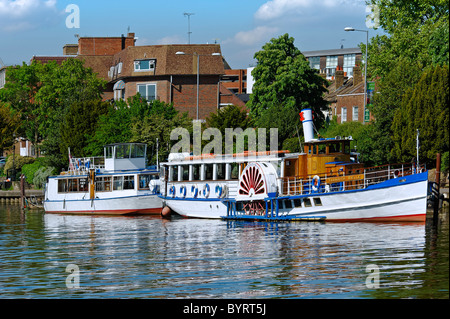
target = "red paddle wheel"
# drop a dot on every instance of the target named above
(255, 208)
(252, 182)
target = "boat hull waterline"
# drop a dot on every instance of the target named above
(131, 205)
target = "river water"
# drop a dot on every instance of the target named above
(55, 256)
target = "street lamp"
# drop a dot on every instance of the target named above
(198, 67)
(365, 66)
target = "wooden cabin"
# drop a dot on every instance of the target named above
(330, 157)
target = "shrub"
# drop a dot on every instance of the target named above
(18, 161)
(41, 175)
(29, 170)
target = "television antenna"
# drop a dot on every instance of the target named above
(188, 15)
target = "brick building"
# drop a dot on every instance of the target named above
(158, 72)
(346, 90)
(346, 96)
(326, 61)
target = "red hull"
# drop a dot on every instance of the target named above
(404, 218)
(150, 211)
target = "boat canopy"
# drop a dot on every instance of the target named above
(125, 156)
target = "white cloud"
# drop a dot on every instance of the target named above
(253, 36)
(277, 8)
(26, 14)
(175, 39)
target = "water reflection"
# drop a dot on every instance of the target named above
(148, 257)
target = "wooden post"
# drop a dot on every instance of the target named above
(22, 192)
(438, 182)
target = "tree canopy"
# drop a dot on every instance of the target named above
(425, 107)
(284, 85)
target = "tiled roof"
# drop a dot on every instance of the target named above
(347, 88)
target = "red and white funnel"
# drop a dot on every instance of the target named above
(307, 121)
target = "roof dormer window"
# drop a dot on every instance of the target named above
(144, 65)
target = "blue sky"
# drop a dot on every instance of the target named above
(38, 27)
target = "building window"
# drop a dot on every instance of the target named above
(343, 114)
(144, 65)
(314, 62)
(332, 63)
(147, 91)
(349, 63)
(355, 113)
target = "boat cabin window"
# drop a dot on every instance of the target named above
(287, 204)
(103, 183)
(123, 182)
(195, 172)
(307, 202)
(335, 148)
(144, 180)
(220, 171)
(347, 148)
(137, 151)
(317, 201)
(234, 171)
(109, 151)
(185, 170)
(62, 186)
(297, 202)
(73, 185)
(123, 151)
(173, 175)
(208, 171)
(322, 148)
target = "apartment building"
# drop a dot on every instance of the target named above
(326, 61)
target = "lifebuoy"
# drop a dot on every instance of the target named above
(396, 173)
(183, 191)
(172, 191)
(219, 191)
(194, 189)
(316, 183)
(206, 190)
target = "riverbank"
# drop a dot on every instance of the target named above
(13, 196)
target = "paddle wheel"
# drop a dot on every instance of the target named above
(252, 181)
(257, 207)
(256, 183)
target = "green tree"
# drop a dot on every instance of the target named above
(42, 93)
(9, 123)
(148, 129)
(62, 86)
(136, 120)
(22, 84)
(416, 39)
(232, 117)
(424, 108)
(79, 124)
(284, 85)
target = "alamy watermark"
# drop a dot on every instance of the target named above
(254, 139)
(373, 279)
(73, 19)
(73, 279)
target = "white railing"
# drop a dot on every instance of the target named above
(82, 165)
(342, 182)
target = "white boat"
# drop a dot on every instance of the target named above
(118, 183)
(321, 183)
